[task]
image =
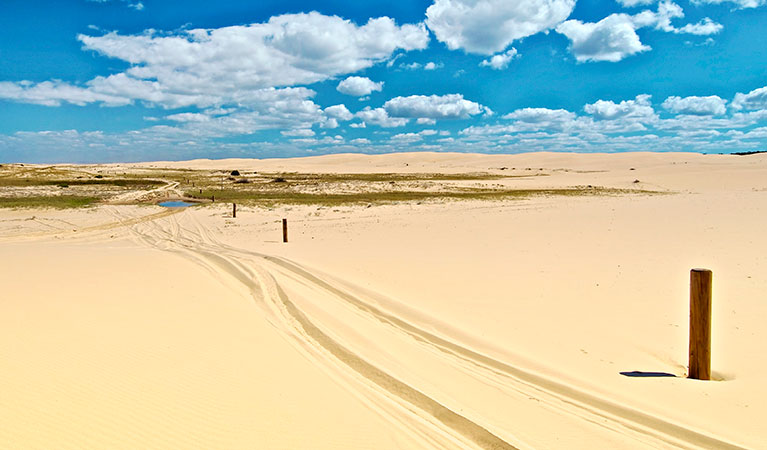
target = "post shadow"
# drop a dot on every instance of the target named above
(641, 374)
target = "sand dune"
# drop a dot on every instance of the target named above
(436, 325)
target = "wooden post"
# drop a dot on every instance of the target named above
(213, 198)
(234, 210)
(700, 324)
(200, 191)
(284, 230)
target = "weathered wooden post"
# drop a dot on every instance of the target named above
(700, 324)
(213, 198)
(284, 230)
(234, 210)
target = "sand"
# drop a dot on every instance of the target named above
(434, 325)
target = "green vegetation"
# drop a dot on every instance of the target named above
(275, 197)
(22, 182)
(57, 202)
(30, 186)
(380, 177)
(269, 189)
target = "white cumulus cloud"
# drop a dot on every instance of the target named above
(431, 65)
(359, 86)
(668, 10)
(298, 132)
(54, 93)
(696, 106)
(189, 117)
(639, 108)
(205, 67)
(339, 112)
(756, 99)
(489, 26)
(501, 60)
(287, 50)
(451, 106)
(330, 123)
(611, 39)
(288, 108)
(405, 138)
(380, 117)
(542, 118)
(614, 37)
(249, 71)
(632, 3)
(741, 4)
(703, 28)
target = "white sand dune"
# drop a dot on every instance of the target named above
(451, 325)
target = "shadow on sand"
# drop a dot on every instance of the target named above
(640, 374)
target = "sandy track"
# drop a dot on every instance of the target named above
(90, 232)
(135, 196)
(625, 416)
(83, 371)
(171, 236)
(298, 302)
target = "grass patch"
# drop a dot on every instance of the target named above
(379, 177)
(56, 202)
(204, 178)
(260, 188)
(22, 182)
(287, 197)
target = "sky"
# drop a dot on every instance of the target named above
(142, 80)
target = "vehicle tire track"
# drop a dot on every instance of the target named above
(224, 256)
(632, 419)
(167, 239)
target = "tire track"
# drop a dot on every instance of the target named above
(457, 422)
(632, 419)
(233, 267)
(81, 232)
(210, 252)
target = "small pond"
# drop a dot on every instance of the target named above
(176, 204)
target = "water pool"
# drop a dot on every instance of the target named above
(176, 204)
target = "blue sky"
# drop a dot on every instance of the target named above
(129, 80)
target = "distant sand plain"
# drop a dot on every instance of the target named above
(435, 323)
